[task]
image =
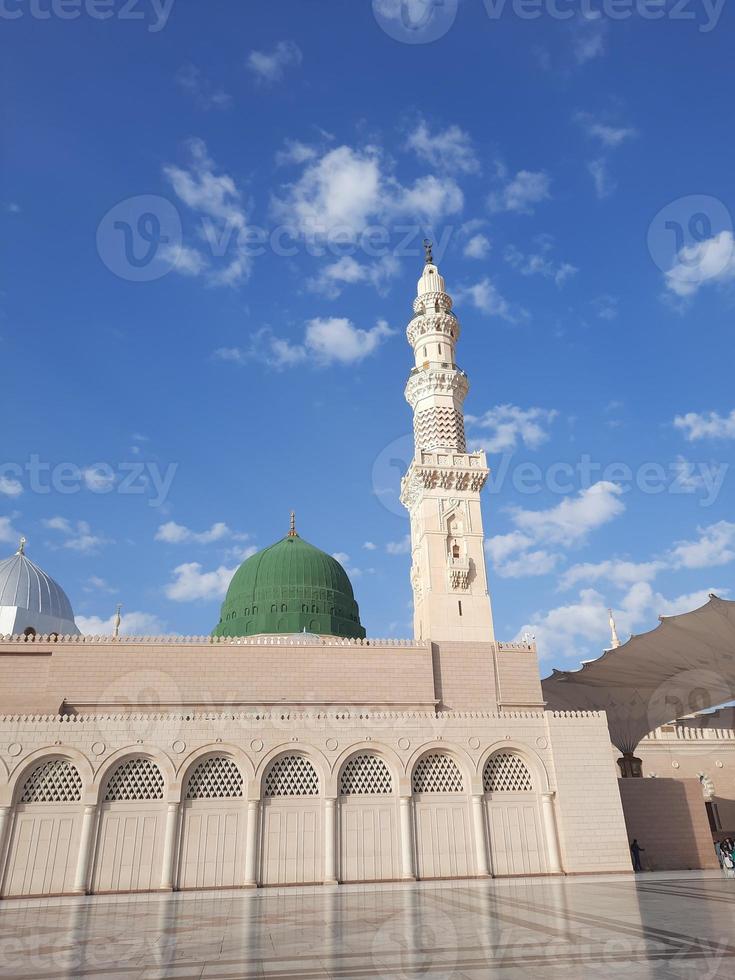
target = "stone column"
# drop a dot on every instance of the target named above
(478, 820)
(169, 847)
(5, 822)
(330, 841)
(81, 876)
(251, 844)
(406, 831)
(552, 837)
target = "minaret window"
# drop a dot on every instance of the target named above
(455, 551)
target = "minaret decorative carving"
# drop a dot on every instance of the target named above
(441, 489)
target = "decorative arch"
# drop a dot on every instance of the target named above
(388, 755)
(460, 757)
(215, 777)
(366, 774)
(437, 772)
(150, 752)
(506, 772)
(241, 760)
(135, 777)
(533, 763)
(50, 780)
(18, 777)
(317, 759)
(291, 774)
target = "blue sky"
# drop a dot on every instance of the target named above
(213, 216)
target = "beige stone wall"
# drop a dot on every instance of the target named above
(172, 672)
(593, 830)
(519, 681)
(668, 818)
(691, 752)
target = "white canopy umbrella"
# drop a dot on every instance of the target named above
(686, 664)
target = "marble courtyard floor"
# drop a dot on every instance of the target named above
(676, 925)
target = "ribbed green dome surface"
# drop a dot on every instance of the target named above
(288, 588)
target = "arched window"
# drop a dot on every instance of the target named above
(304, 608)
(365, 775)
(29, 631)
(274, 607)
(216, 778)
(55, 781)
(292, 775)
(283, 607)
(135, 779)
(506, 772)
(437, 773)
(455, 551)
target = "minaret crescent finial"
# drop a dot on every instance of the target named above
(118, 620)
(292, 529)
(429, 258)
(21, 546)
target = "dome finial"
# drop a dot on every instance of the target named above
(292, 529)
(117, 620)
(21, 547)
(429, 258)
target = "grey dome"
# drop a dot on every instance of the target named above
(24, 585)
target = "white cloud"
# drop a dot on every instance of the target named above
(708, 262)
(214, 198)
(370, 546)
(132, 623)
(99, 478)
(477, 247)
(191, 582)
(581, 628)
(348, 271)
(715, 546)
(450, 149)
(173, 533)
(402, 547)
(346, 190)
(486, 297)
(539, 263)
(344, 559)
(571, 520)
(327, 341)
(616, 571)
(10, 487)
(525, 189)
(270, 66)
(189, 78)
(601, 177)
(687, 479)
(588, 40)
(295, 152)
(508, 425)
(605, 307)
(526, 564)
(609, 136)
(8, 533)
(706, 426)
(96, 584)
(78, 536)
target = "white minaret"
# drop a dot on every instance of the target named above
(441, 489)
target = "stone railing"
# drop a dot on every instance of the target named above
(688, 733)
(293, 640)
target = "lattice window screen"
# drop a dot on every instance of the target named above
(215, 778)
(136, 779)
(292, 775)
(437, 774)
(506, 773)
(55, 781)
(365, 774)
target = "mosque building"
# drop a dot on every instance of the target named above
(286, 747)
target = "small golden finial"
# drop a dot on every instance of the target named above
(21, 547)
(118, 620)
(292, 528)
(429, 258)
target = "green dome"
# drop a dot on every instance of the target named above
(288, 588)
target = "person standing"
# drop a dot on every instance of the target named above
(635, 850)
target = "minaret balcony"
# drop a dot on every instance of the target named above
(458, 572)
